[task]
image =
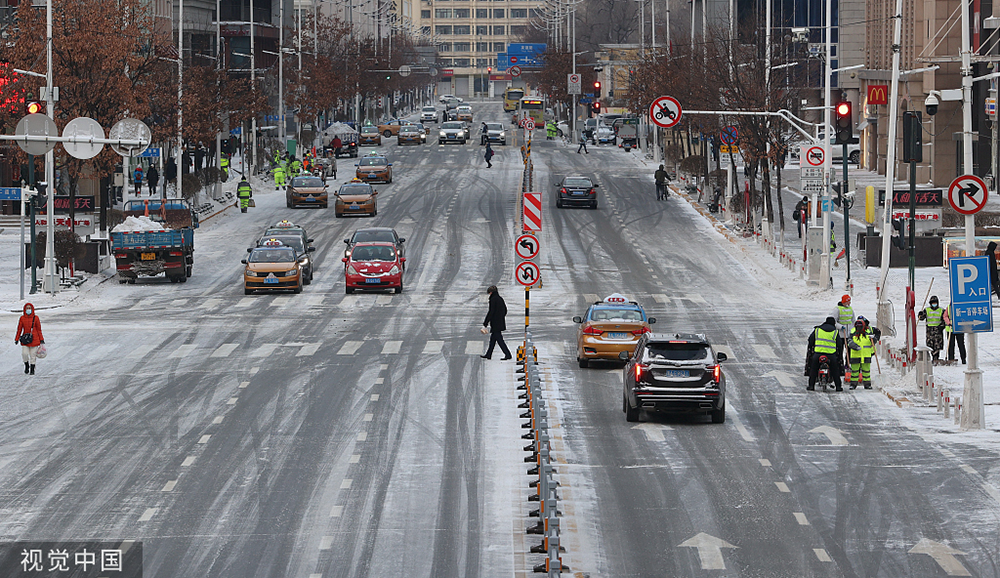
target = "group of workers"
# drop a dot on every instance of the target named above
(286, 166)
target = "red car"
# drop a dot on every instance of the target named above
(375, 265)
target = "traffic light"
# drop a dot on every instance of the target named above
(597, 87)
(489, 70)
(900, 240)
(597, 107)
(844, 124)
(912, 147)
(33, 108)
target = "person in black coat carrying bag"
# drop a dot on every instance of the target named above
(496, 320)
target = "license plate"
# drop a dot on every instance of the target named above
(271, 280)
(372, 175)
(355, 207)
(676, 373)
(373, 281)
(148, 256)
(617, 335)
(578, 193)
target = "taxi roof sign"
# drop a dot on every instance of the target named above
(616, 298)
(272, 243)
(285, 223)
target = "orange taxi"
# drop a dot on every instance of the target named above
(374, 168)
(272, 266)
(609, 327)
(356, 198)
(370, 136)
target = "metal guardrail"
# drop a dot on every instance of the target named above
(540, 454)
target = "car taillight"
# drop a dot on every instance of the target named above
(176, 254)
(716, 373)
(120, 255)
(592, 192)
(563, 191)
(639, 368)
(591, 330)
(640, 331)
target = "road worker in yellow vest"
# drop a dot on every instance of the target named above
(279, 175)
(825, 340)
(934, 315)
(844, 314)
(861, 350)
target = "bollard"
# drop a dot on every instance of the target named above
(947, 402)
(931, 388)
(958, 410)
(940, 400)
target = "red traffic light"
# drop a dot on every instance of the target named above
(843, 109)
(597, 85)
(597, 106)
(489, 70)
(33, 108)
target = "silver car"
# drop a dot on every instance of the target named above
(453, 131)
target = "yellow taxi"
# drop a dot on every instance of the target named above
(272, 266)
(374, 167)
(370, 136)
(610, 326)
(356, 198)
(464, 113)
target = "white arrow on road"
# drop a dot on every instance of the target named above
(709, 550)
(653, 431)
(835, 435)
(943, 554)
(784, 378)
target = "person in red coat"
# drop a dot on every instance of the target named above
(30, 328)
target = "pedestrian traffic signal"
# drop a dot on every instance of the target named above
(844, 125)
(33, 108)
(900, 240)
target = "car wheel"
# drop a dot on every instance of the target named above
(854, 158)
(631, 413)
(338, 215)
(247, 291)
(583, 361)
(298, 289)
(593, 207)
(348, 290)
(288, 204)
(719, 415)
(399, 289)
(325, 206)
(559, 132)
(182, 279)
(559, 204)
(387, 133)
(440, 142)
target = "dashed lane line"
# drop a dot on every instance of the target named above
(218, 419)
(187, 461)
(326, 542)
(362, 436)
(336, 511)
(346, 484)
(183, 350)
(801, 518)
(374, 397)
(433, 347)
(473, 347)
(821, 555)
(169, 486)
(350, 347)
(225, 350)
(148, 514)
(204, 439)
(391, 347)
(782, 487)
(308, 350)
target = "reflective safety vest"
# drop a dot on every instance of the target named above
(278, 171)
(863, 340)
(934, 316)
(243, 189)
(825, 341)
(845, 314)
(223, 163)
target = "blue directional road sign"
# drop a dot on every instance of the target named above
(526, 55)
(970, 294)
(10, 193)
(151, 152)
(586, 100)
(502, 62)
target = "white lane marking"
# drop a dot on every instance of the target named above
(232, 401)
(140, 351)
(336, 511)
(833, 434)
(801, 518)
(379, 380)
(709, 550)
(349, 301)
(362, 436)
(326, 542)
(355, 458)
(725, 349)
(183, 350)
(433, 347)
(27, 443)
(346, 484)
(178, 302)
(350, 347)
(383, 300)
(821, 555)
(308, 350)
(254, 369)
(148, 514)
(693, 297)
(473, 347)
(590, 297)
(187, 461)
(653, 431)
(374, 397)
(744, 432)
(218, 419)
(784, 378)
(383, 367)
(946, 453)
(244, 384)
(210, 303)
(368, 417)
(764, 351)
(314, 301)
(968, 469)
(391, 346)
(264, 350)
(765, 462)
(782, 487)
(204, 439)
(281, 301)
(661, 298)
(169, 486)
(225, 350)
(245, 302)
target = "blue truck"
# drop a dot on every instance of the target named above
(149, 253)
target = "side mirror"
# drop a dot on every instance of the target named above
(577, 319)
(347, 241)
(624, 355)
(310, 240)
(389, 165)
(596, 186)
(652, 320)
(402, 259)
(249, 249)
(402, 239)
(310, 249)
(345, 259)
(244, 261)
(721, 356)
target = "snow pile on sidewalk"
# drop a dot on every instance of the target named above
(139, 224)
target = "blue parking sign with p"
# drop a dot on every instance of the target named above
(970, 294)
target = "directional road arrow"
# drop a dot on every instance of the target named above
(653, 431)
(784, 378)
(709, 550)
(835, 435)
(944, 555)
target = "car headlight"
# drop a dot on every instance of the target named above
(351, 270)
(394, 270)
(442, 134)
(249, 273)
(292, 272)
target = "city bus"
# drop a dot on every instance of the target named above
(511, 98)
(534, 106)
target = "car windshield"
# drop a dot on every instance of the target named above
(453, 125)
(494, 126)
(373, 162)
(409, 130)
(682, 351)
(272, 256)
(273, 231)
(577, 182)
(373, 253)
(307, 182)
(364, 236)
(615, 314)
(430, 109)
(369, 130)
(355, 190)
(293, 241)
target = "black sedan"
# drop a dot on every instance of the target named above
(674, 373)
(579, 191)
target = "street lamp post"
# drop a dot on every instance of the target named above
(50, 163)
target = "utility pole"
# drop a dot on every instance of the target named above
(253, 88)
(50, 163)
(181, 166)
(825, 280)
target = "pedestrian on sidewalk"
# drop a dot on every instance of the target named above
(153, 178)
(29, 336)
(170, 172)
(137, 180)
(496, 319)
(583, 144)
(661, 178)
(994, 277)
(488, 155)
(801, 215)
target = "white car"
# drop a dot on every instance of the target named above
(606, 134)
(428, 114)
(446, 98)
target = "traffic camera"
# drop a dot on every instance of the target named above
(33, 107)
(844, 125)
(899, 240)
(931, 102)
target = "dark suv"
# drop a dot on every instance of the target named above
(678, 372)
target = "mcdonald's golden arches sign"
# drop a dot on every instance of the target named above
(878, 94)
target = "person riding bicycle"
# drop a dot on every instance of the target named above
(825, 341)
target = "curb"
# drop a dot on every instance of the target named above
(219, 212)
(717, 224)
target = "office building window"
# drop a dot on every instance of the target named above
(444, 47)
(518, 12)
(444, 29)
(482, 62)
(499, 47)
(463, 29)
(535, 13)
(442, 12)
(461, 62)
(482, 30)
(445, 62)
(426, 14)
(499, 30)
(482, 47)
(498, 12)
(425, 30)
(518, 30)
(462, 46)
(461, 13)
(482, 12)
